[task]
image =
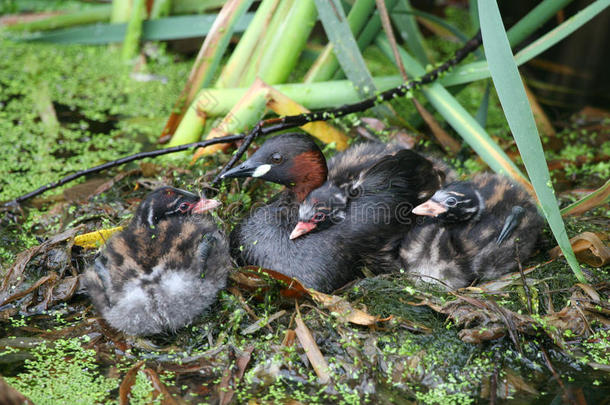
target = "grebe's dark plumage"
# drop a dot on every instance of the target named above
(474, 232)
(374, 209)
(164, 269)
(327, 259)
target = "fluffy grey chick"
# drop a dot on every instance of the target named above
(164, 269)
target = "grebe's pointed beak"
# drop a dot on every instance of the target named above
(204, 205)
(429, 208)
(248, 169)
(301, 229)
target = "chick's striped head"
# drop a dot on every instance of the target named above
(168, 202)
(456, 202)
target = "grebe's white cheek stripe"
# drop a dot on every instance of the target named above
(261, 170)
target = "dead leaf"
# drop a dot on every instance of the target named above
(159, 387)
(498, 285)
(404, 139)
(317, 360)
(438, 29)
(261, 323)
(83, 191)
(507, 386)
(253, 277)
(107, 185)
(559, 68)
(127, 383)
(15, 274)
(373, 123)
(442, 137)
(13, 19)
(283, 105)
(589, 290)
(10, 396)
(588, 248)
(479, 335)
(344, 310)
(48, 278)
(225, 391)
(65, 289)
(289, 338)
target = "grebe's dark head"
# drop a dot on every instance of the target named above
(292, 159)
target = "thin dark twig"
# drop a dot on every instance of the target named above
(567, 397)
(269, 126)
(387, 27)
(493, 387)
(525, 286)
(126, 159)
(508, 321)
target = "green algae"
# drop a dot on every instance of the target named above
(89, 86)
(63, 372)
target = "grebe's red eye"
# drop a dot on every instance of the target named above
(184, 207)
(318, 216)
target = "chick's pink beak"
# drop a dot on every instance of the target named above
(429, 208)
(301, 229)
(204, 205)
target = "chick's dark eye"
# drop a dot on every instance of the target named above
(184, 207)
(318, 216)
(276, 158)
(451, 202)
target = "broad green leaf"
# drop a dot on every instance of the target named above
(234, 70)
(207, 61)
(559, 33)
(156, 30)
(327, 64)
(87, 16)
(367, 34)
(479, 70)
(131, 42)
(481, 115)
(409, 31)
(344, 45)
(595, 199)
(438, 21)
(432, 18)
(283, 52)
(511, 92)
(526, 26)
(473, 10)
